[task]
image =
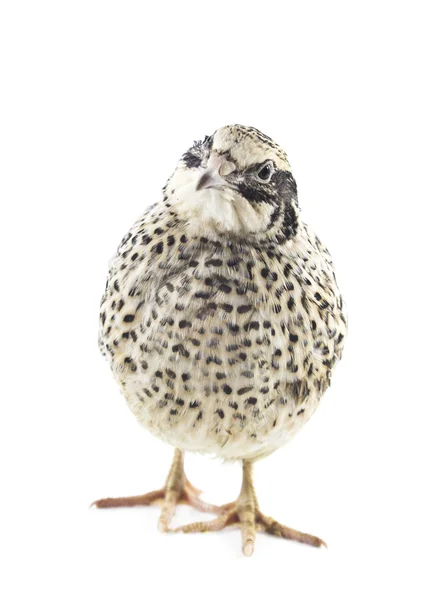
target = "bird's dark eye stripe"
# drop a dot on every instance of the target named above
(192, 159)
(284, 187)
(254, 194)
(208, 141)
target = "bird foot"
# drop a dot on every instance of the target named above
(250, 522)
(245, 513)
(177, 490)
(168, 499)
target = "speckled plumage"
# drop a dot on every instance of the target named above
(222, 319)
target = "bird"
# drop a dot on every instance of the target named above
(222, 321)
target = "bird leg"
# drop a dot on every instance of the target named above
(245, 514)
(177, 489)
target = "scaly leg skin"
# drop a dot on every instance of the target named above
(245, 513)
(177, 489)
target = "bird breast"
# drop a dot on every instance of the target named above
(220, 347)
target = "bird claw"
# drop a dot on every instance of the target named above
(250, 520)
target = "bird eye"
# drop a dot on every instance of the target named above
(266, 171)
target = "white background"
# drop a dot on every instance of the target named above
(98, 101)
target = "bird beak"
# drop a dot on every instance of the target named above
(211, 177)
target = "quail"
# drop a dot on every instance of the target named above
(222, 321)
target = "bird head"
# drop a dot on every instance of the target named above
(236, 182)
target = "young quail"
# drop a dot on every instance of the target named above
(222, 321)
